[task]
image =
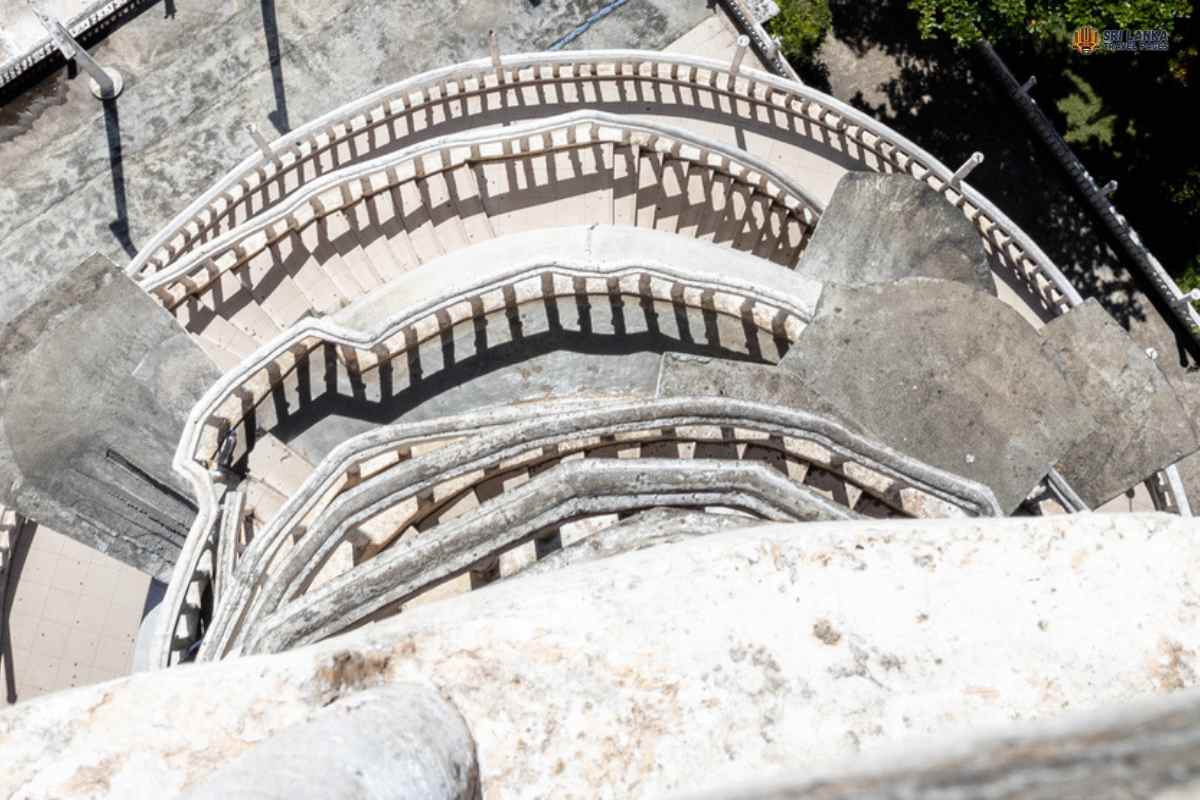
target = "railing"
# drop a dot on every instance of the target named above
(225, 404)
(339, 497)
(889, 150)
(345, 188)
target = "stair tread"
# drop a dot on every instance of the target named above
(277, 465)
(447, 227)
(418, 222)
(341, 233)
(273, 288)
(465, 191)
(321, 292)
(315, 238)
(369, 228)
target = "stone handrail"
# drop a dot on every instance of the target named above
(337, 190)
(565, 492)
(1031, 265)
(499, 435)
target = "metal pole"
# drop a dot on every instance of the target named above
(1108, 188)
(262, 143)
(105, 83)
(494, 48)
(743, 42)
(1029, 84)
(971, 163)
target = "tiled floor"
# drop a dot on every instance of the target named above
(73, 617)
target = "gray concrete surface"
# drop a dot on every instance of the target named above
(82, 177)
(880, 228)
(1140, 425)
(96, 380)
(946, 374)
(688, 375)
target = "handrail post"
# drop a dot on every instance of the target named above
(263, 145)
(743, 42)
(962, 172)
(494, 48)
(105, 84)
(1108, 188)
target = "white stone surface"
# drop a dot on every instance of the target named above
(693, 664)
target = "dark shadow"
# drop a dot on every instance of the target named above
(154, 596)
(944, 99)
(278, 117)
(513, 351)
(16, 562)
(112, 130)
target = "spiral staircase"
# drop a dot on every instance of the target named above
(499, 310)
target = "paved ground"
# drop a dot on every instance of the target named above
(73, 616)
(81, 177)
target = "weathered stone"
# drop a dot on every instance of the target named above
(647, 529)
(96, 381)
(879, 228)
(693, 664)
(393, 741)
(687, 375)
(946, 374)
(1149, 748)
(1139, 424)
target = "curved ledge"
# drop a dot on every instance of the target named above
(566, 491)
(486, 444)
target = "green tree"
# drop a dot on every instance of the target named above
(801, 26)
(966, 21)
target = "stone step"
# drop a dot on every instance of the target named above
(305, 269)
(418, 221)
(371, 230)
(277, 465)
(315, 239)
(273, 288)
(337, 227)
(1139, 425)
(880, 228)
(626, 159)
(944, 373)
(434, 191)
(468, 204)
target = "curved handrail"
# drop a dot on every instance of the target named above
(581, 128)
(832, 115)
(488, 442)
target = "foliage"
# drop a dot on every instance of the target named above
(1085, 116)
(801, 26)
(966, 21)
